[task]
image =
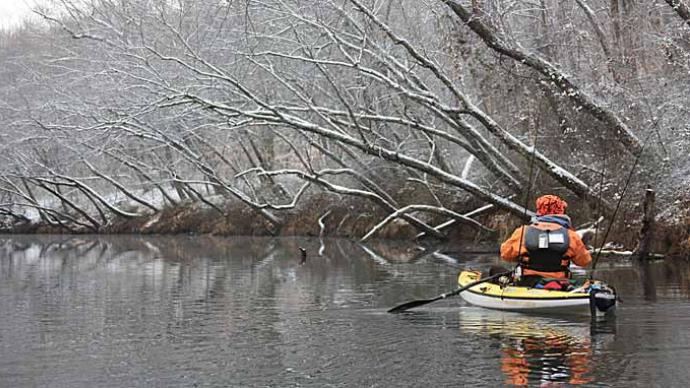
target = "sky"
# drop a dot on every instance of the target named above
(13, 11)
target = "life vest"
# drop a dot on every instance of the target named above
(546, 248)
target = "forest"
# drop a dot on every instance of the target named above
(412, 119)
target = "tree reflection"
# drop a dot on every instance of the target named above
(648, 281)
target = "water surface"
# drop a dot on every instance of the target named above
(81, 311)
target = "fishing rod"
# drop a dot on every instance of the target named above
(618, 205)
(527, 196)
(600, 201)
(627, 182)
(420, 302)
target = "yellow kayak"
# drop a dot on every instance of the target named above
(596, 298)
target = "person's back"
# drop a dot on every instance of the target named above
(546, 247)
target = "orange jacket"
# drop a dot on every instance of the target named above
(577, 251)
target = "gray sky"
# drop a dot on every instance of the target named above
(13, 11)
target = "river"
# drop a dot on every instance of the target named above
(102, 311)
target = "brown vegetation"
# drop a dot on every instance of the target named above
(352, 219)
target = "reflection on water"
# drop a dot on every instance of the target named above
(82, 311)
(550, 358)
(539, 349)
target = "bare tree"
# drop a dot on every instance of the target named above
(120, 110)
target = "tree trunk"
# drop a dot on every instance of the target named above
(647, 230)
(559, 78)
(681, 9)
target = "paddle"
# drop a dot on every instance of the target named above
(421, 302)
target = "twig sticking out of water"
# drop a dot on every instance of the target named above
(303, 258)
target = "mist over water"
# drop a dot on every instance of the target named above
(82, 311)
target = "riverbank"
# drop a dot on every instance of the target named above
(353, 218)
(317, 216)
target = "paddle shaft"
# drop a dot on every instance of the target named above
(421, 302)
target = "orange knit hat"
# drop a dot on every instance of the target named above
(550, 204)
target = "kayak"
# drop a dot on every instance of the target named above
(594, 298)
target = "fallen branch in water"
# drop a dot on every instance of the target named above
(627, 254)
(453, 221)
(433, 209)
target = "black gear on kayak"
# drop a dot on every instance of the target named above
(601, 300)
(546, 249)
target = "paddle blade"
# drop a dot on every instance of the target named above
(420, 302)
(411, 305)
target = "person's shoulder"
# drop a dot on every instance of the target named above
(572, 234)
(519, 228)
(517, 232)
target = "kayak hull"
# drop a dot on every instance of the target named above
(525, 299)
(572, 306)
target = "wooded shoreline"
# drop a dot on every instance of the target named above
(669, 239)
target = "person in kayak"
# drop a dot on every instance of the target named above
(545, 248)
